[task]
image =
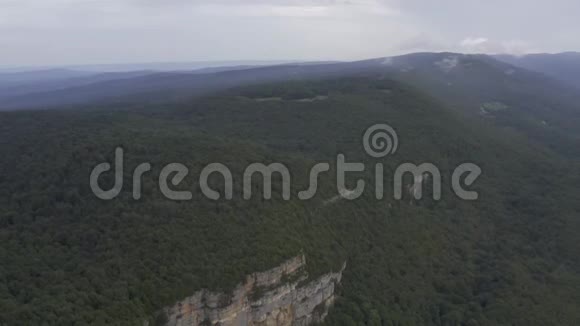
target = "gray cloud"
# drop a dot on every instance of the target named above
(87, 31)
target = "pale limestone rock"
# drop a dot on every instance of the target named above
(279, 304)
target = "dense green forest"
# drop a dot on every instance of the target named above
(68, 258)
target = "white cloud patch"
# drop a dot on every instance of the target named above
(331, 9)
(260, 10)
(78, 14)
(421, 43)
(388, 61)
(447, 64)
(484, 45)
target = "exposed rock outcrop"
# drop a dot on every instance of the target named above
(278, 297)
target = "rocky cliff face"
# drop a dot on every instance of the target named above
(278, 297)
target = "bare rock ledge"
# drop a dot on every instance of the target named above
(280, 296)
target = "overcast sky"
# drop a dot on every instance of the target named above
(45, 32)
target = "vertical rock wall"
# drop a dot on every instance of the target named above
(277, 297)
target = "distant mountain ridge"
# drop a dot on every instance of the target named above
(154, 66)
(562, 66)
(44, 75)
(510, 257)
(535, 103)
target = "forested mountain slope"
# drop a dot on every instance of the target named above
(479, 86)
(509, 258)
(562, 66)
(544, 109)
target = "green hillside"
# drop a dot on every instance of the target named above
(68, 258)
